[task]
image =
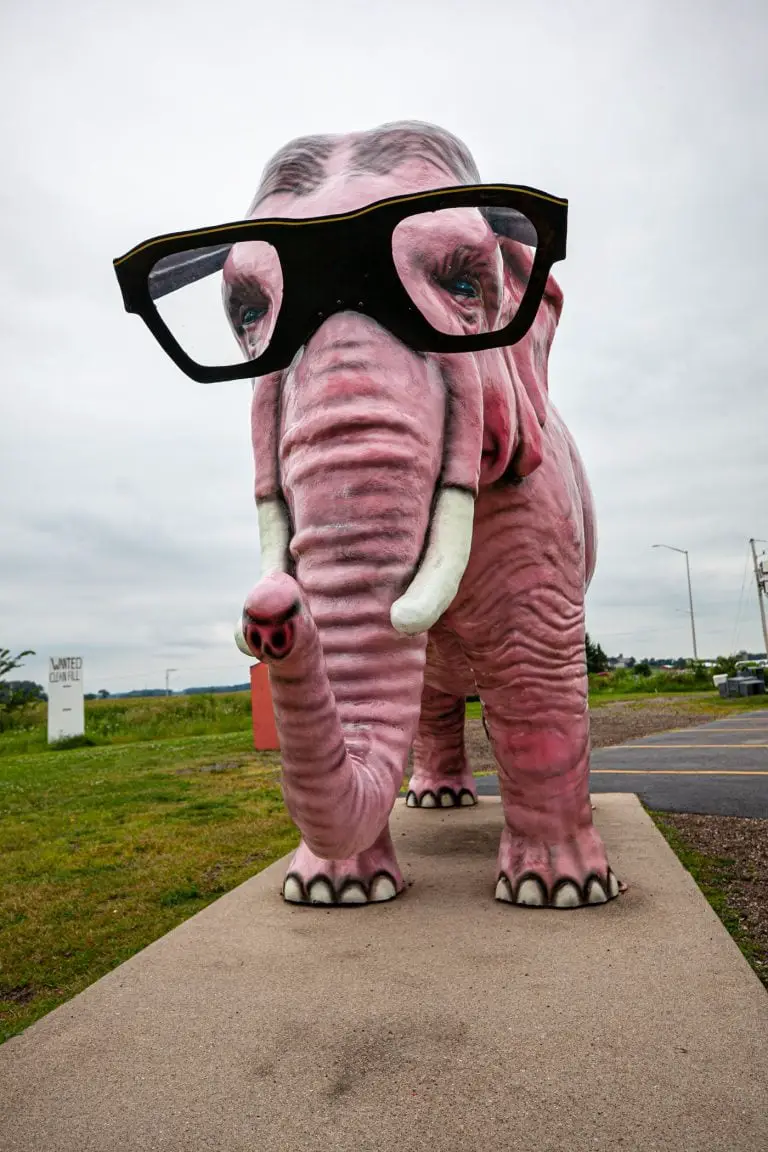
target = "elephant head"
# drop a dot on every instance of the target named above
(369, 457)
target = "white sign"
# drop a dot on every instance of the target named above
(66, 711)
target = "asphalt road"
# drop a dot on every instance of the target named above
(718, 769)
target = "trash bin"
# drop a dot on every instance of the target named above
(742, 686)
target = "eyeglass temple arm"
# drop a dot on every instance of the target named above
(183, 268)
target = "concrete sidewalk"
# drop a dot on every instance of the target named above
(443, 1022)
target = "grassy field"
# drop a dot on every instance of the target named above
(105, 848)
(703, 703)
(137, 718)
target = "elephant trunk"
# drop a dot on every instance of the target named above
(346, 714)
(376, 540)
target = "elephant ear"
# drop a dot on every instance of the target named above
(515, 384)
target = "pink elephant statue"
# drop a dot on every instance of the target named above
(427, 533)
(427, 530)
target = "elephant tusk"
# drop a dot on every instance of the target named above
(274, 536)
(437, 580)
(240, 641)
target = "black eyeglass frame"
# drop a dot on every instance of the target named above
(354, 251)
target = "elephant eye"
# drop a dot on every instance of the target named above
(462, 273)
(461, 286)
(251, 315)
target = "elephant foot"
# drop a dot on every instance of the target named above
(370, 877)
(573, 873)
(441, 791)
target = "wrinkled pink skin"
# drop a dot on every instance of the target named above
(357, 436)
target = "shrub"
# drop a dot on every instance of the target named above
(627, 681)
(67, 742)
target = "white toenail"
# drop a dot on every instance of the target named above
(595, 892)
(503, 891)
(320, 892)
(353, 894)
(531, 892)
(567, 896)
(292, 891)
(383, 888)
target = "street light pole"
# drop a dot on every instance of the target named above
(690, 593)
(759, 582)
(167, 679)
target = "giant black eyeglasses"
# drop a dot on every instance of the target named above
(450, 270)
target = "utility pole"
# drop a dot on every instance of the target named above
(761, 580)
(690, 594)
(167, 679)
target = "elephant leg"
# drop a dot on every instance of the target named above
(366, 878)
(519, 617)
(550, 855)
(441, 777)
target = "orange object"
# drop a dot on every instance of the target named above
(265, 737)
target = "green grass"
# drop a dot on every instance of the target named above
(701, 703)
(137, 718)
(713, 874)
(714, 704)
(105, 849)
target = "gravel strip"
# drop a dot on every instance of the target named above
(744, 843)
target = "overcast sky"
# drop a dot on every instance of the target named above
(128, 530)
